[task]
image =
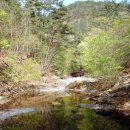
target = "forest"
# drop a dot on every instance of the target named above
(44, 41)
(47, 37)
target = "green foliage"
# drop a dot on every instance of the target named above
(86, 15)
(48, 32)
(3, 13)
(4, 44)
(98, 63)
(4, 18)
(105, 52)
(4, 24)
(66, 61)
(23, 70)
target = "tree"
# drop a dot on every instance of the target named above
(55, 31)
(105, 53)
(4, 24)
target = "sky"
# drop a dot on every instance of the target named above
(67, 2)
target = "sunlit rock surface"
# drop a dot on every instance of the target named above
(13, 112)
(61, 84)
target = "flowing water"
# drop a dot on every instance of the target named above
(58, 113)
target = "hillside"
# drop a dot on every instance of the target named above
(87, 15)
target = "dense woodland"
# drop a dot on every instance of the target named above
(43, 37)
(64, 67)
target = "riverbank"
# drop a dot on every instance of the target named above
(26, 93)
(110, 100)
(36, 93)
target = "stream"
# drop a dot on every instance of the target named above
(55, 109)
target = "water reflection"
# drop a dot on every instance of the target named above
(62, 114)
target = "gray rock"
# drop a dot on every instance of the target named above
(14, 112)
(100, 109)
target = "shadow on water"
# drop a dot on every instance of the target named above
(61, 114)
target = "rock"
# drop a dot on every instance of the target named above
(55, 77)
(123, 84)
(14, 112)
(1, 97)
(127, 105)
(119, 96)
(3, 100)
(120, 93)
(85, 83)
(86, 87)
(100, 109)
(85, 91)
(78, 73)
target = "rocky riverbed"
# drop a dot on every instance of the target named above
(114, 100)
(35, 92)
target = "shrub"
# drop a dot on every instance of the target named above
(23, 70)
(105, 54)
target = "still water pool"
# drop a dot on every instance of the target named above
(61, 114)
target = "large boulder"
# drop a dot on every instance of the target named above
(117, 95)
(87, 87)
